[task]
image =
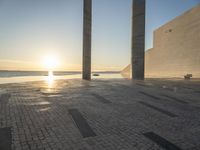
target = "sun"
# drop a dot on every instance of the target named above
(50, 62)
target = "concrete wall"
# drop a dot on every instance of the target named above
(176, 50)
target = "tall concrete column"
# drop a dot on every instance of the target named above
(87, 28)
(138, 39)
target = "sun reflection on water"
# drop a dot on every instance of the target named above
(50, 79)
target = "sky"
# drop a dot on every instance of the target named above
(31, 30)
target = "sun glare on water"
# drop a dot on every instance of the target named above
(50, 79)
(50, 63)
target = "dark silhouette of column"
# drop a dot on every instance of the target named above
(87, 28)
(138, 39)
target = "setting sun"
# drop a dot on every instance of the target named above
(50, 62)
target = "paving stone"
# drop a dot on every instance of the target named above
(39, 119)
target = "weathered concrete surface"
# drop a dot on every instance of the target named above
(176, 50)
(87, 29)
(118, 111)
(138, 39)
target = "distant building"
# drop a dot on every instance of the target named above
(176, 48)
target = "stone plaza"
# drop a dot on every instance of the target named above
(103, 114)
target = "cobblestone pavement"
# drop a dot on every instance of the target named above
(101, 115)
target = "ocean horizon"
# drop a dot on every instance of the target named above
(15, 73)
(13, 76)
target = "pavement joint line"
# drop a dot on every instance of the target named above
(101, 98)
(149, 95)
(175, 99)
(162, 142)
(158, 109)
(140, 84)
(81, 123)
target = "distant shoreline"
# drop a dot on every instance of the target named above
(15, 73)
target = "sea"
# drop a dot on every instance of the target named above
(26, 76)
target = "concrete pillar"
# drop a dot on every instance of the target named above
(87, 28)
(138, 39)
